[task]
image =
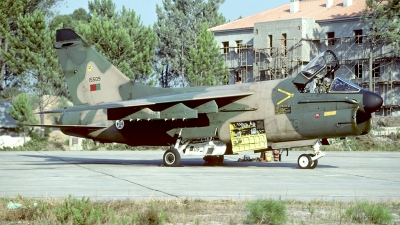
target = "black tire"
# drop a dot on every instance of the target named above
(314, 163)
(220, 159)
(210, 160)
(172, 158)
(304, 161)
(213, 160)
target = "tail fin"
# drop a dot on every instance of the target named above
(91, 79)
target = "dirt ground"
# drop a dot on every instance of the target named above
(390, 142)
(385, 121)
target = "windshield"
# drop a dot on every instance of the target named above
(342, 85)
(314, 66)
(316, 73)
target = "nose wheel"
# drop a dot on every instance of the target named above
(304, 161)
(310, 161)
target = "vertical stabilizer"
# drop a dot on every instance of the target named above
(91, 78)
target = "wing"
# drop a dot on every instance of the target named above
(89, 127)
(161, 99)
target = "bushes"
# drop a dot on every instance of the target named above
(368, 212)
(80, 212)
(37, 143)
(267, 212)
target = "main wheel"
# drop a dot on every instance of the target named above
(220, 159)
(304, 161)
(172, 157)
(314, 163)
(210, 160)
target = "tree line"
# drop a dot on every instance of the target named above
(178, 50)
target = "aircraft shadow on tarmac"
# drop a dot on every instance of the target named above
(186, 162)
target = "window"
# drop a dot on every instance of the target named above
(331, 38)
(238, 79)
(239, 45)
(376, 70)
(358, 71)
(263, 76)
(225, 47)
(283, 44)
(358, 34)
(270, 44)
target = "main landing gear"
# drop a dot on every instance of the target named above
(172, 157)
(212, 151)
(310, 161)
(212, 160)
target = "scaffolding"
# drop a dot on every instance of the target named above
(239, 61)
(354, 54)
(283, 61)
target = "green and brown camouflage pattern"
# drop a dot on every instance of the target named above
(281, 115)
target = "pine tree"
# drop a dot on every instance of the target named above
(205, 66)
(10, 10)
(22, 112)
(384, 21)
(70, 20)
(122, 39)
(178, 25)
(32, 57)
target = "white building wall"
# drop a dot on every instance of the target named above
(239, 63)
(313, 36)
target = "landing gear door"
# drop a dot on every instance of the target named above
(248, 136)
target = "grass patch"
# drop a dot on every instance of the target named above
(184, 211)
(80, 212)
(267, 211)
(369, 212)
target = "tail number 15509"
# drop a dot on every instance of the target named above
(94, 79)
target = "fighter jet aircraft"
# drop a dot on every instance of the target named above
(210, 121)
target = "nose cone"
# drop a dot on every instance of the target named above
(371, 101)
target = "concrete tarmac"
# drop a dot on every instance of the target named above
(103, 175)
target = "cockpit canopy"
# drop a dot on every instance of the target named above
(316, 76)
(321, 66)
(315, 67)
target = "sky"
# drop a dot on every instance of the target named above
(231, 9)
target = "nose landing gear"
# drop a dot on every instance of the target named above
(310, 161)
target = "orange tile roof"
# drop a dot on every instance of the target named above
(307, 9)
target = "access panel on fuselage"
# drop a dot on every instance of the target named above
(248, 135)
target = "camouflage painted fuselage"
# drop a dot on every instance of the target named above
(275, 111)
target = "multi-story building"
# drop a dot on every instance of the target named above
(277, 43)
